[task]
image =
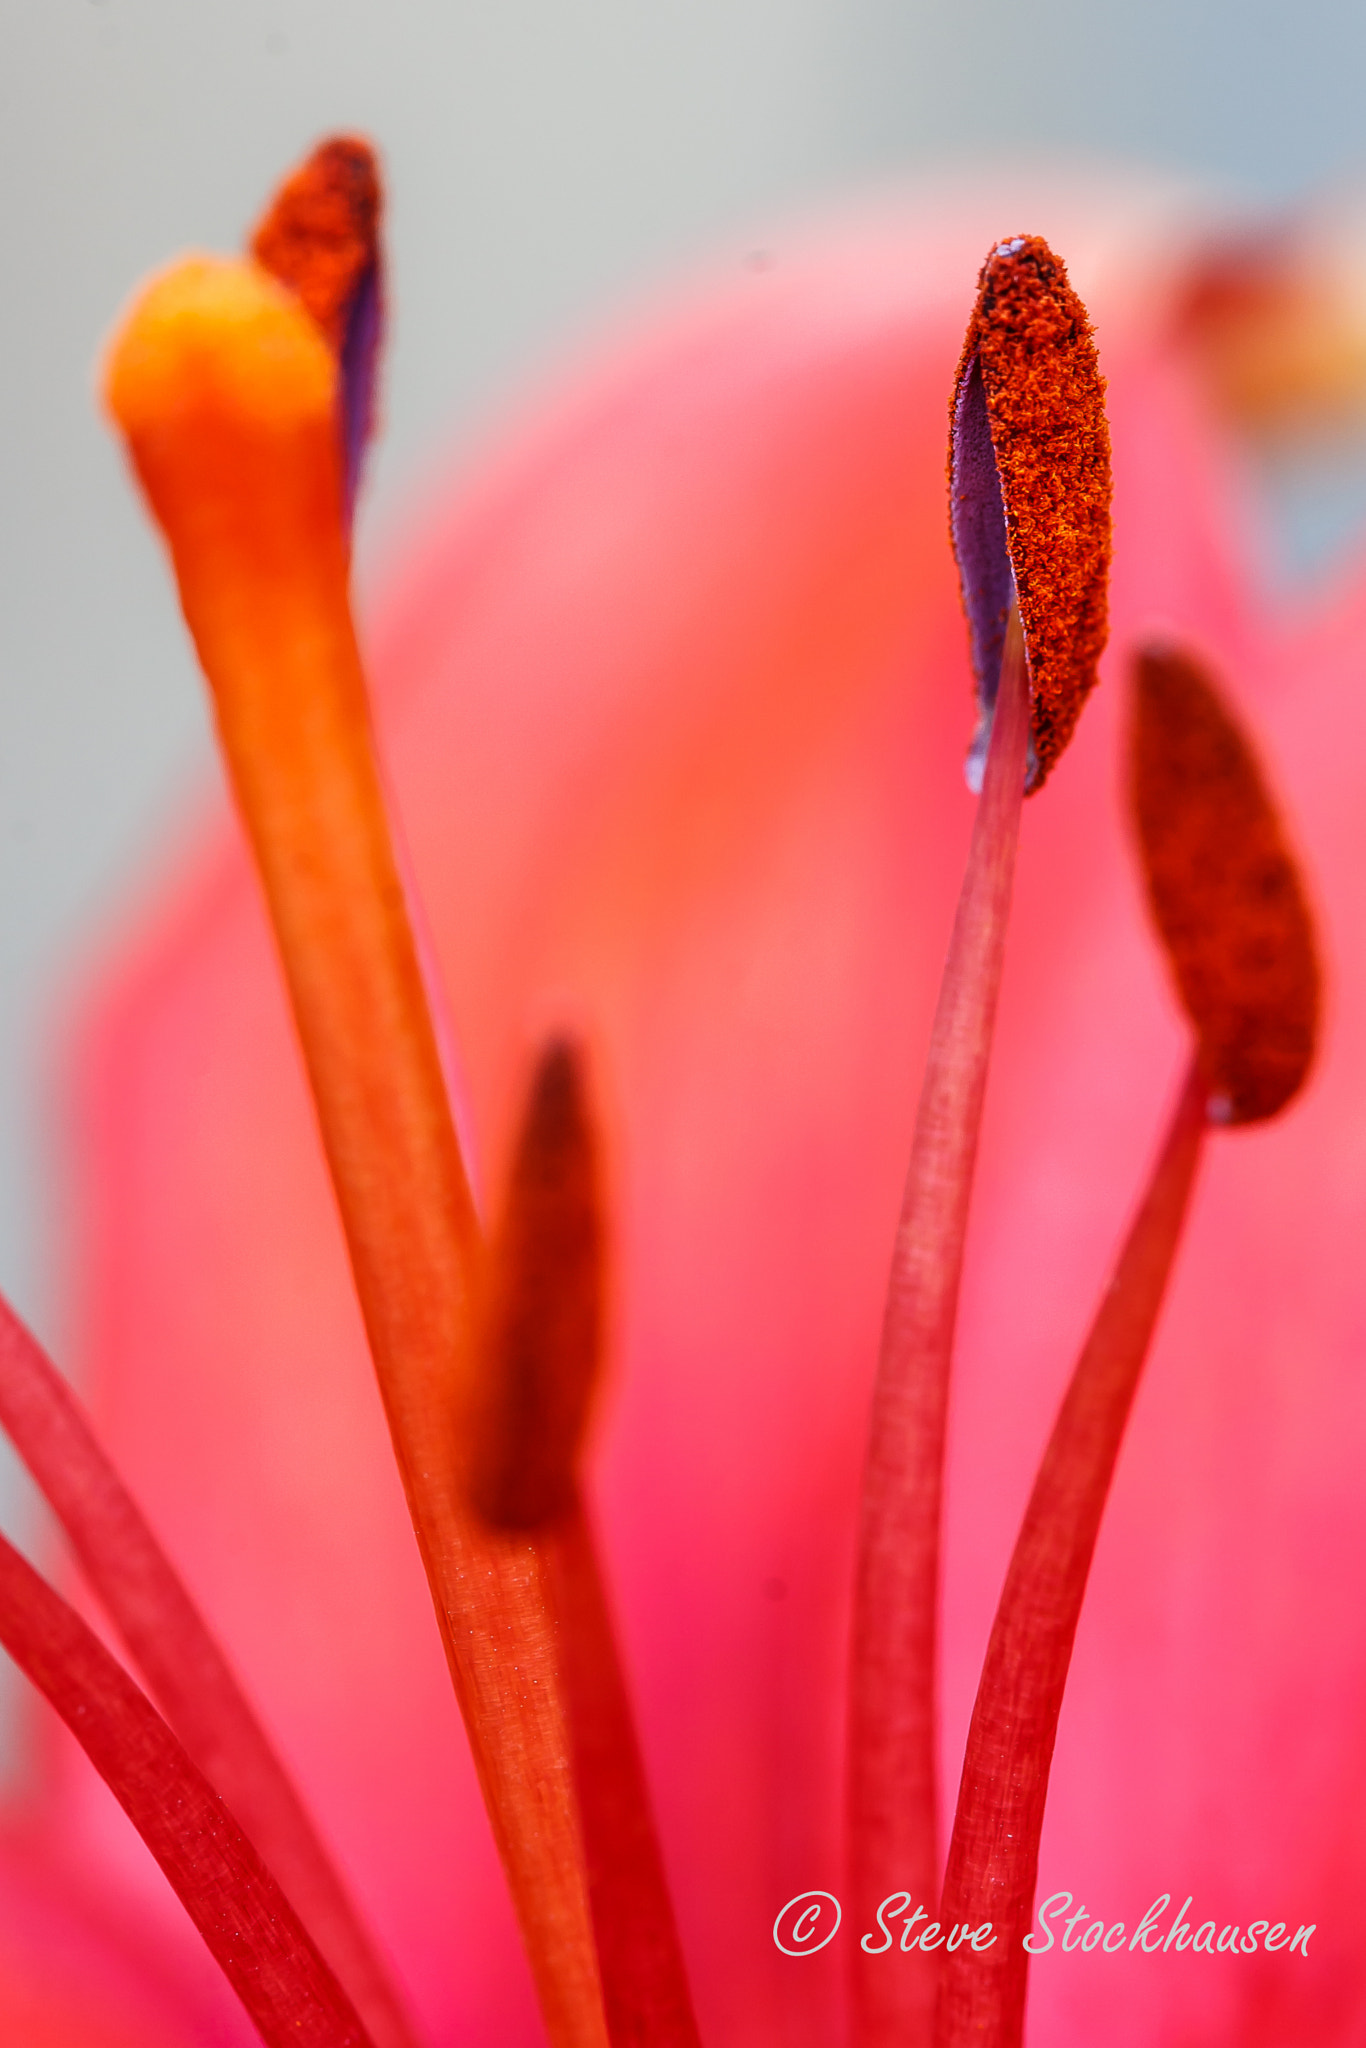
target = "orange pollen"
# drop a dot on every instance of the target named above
(1224, 888)
(320, 234)
(1031, 341)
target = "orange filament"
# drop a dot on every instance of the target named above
(225, 390)
(1030, 335)
(320, 233)
(1224, 890)
(541, 1354)
(542, 1327)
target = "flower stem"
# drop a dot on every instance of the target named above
(993, 1858)
(649, 2004)
(192, 1680)
(892, 1720)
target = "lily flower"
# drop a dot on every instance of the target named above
(670, 697)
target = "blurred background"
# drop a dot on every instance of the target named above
(545, 158)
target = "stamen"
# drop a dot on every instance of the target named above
(320, 236)
(1224, 890)
(1029, 497)
(994, 1854)
(542, 1355)
(248, 1924)
(183, 1664)
(1231, 907)
(542, 1325)
(1029, 491)
(645, 1981)
(226, 392)
(892, 1738)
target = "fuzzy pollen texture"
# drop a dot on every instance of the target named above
(1225, 891)
(1045, 401)
(320, 234)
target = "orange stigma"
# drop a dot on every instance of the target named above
(1224, 888)
(226, 393)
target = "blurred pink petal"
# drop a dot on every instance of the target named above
(78, 1969)
(674, 692)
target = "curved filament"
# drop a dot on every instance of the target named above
(250, 1927)
(892, 1772)
(993, 1858)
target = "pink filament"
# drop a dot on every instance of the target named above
(892, 1777)
(250, 1927)
(993, 1858)
(188, 1673)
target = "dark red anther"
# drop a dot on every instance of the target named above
(1224, 888)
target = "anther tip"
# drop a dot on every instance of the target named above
(1225, 890)
(1029, 484)
(320, 233)
(542, 1325)
(320, 236)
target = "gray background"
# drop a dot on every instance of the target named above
(544, 157)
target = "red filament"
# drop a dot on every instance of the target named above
(994, 1853)
(892, 1774)
(180, 1660)
(248, 1924)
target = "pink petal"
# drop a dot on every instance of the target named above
(78, 1971)
(675, 692)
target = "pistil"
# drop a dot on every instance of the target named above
(227, 393)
